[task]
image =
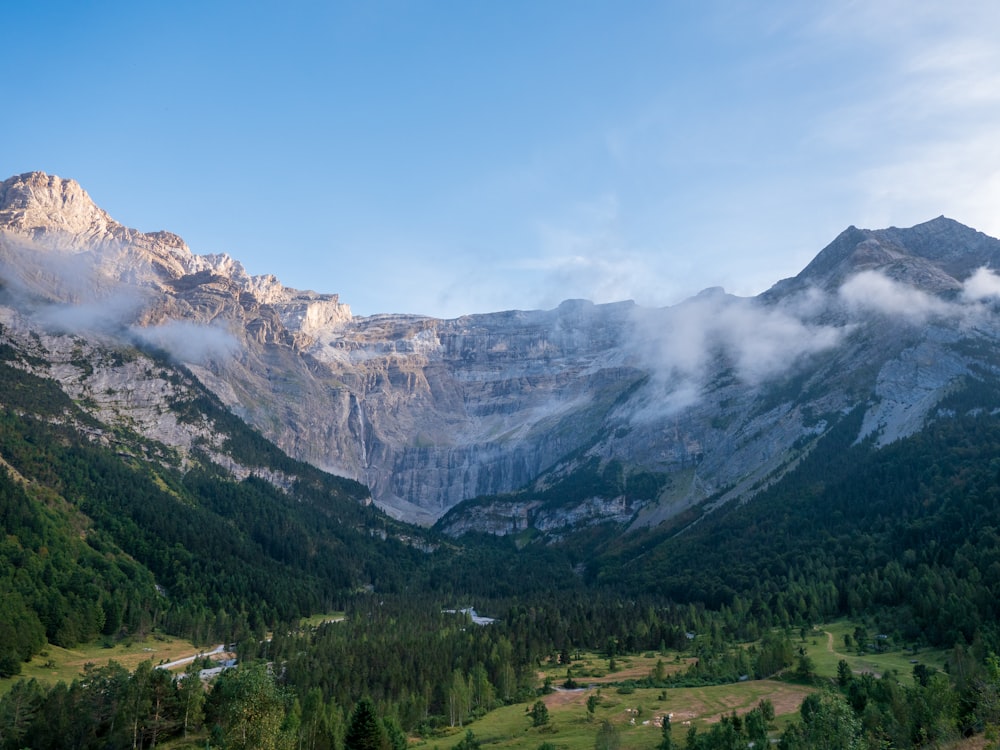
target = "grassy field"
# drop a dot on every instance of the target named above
(592, 669)
(826, 647)
(55, 663)
(637, 715)
(315, 621)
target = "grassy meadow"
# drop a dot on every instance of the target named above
(637, 716)
(635, 712)
(826, 647)
(56, 664)
(314, 621)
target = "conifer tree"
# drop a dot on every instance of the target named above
(539, 714)
(364, 730)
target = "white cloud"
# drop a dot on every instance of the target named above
(189, 342)
(686, 344)
(918, 134)
(982, 285)
(587, 253)
(105, 315)
(871, 291)
(959, 178)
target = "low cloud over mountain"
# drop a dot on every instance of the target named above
(430, 412)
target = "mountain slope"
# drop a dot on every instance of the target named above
(740, 391)
(906, 534)
(716, 397)
(425, 412)
(131, 499)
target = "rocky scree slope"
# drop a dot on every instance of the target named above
(713, 398)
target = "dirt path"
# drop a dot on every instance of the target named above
(188, 659)
(855, 669)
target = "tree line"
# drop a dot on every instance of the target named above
(908, 536)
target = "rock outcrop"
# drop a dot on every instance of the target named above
(719, 395)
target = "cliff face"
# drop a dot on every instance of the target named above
(427, 412)
(439, 411)
(715, 395)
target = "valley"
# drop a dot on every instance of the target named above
(627, 698)
(792, 498)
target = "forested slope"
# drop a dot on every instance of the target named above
(104, 536)
(910, 533)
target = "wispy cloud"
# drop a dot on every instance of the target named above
(107, 315)
(587, 253)
(686, 346)
(922, 128)
(189, 342)
(73, 292)
(984, 284)
(67, 289)
(871, 291)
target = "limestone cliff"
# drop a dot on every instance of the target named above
(717, 395)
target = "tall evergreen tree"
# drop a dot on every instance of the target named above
(394, 733)
(364, 730)
(539, 714)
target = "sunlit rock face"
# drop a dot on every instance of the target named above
(427, 412)
(720, 395)
(437, 411)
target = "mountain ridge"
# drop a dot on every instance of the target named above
(700, 477)
(715, 392)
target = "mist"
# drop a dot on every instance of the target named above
(689, 346)
(70, 291)
(871, 291)
(189, 342)
(981, 286)
(686, 345)
(35, 269)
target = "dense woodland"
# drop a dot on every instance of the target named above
(909, 535)
(112, 537)
(430, 670)
(93, 529)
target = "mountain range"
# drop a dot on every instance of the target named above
(188, 450)
(529, 423)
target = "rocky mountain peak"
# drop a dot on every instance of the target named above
(956, 249)
(716, 392)
(45, 220)
(93, 256)
(35, 202)
(935, 256)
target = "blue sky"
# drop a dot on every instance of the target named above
(446, 157)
